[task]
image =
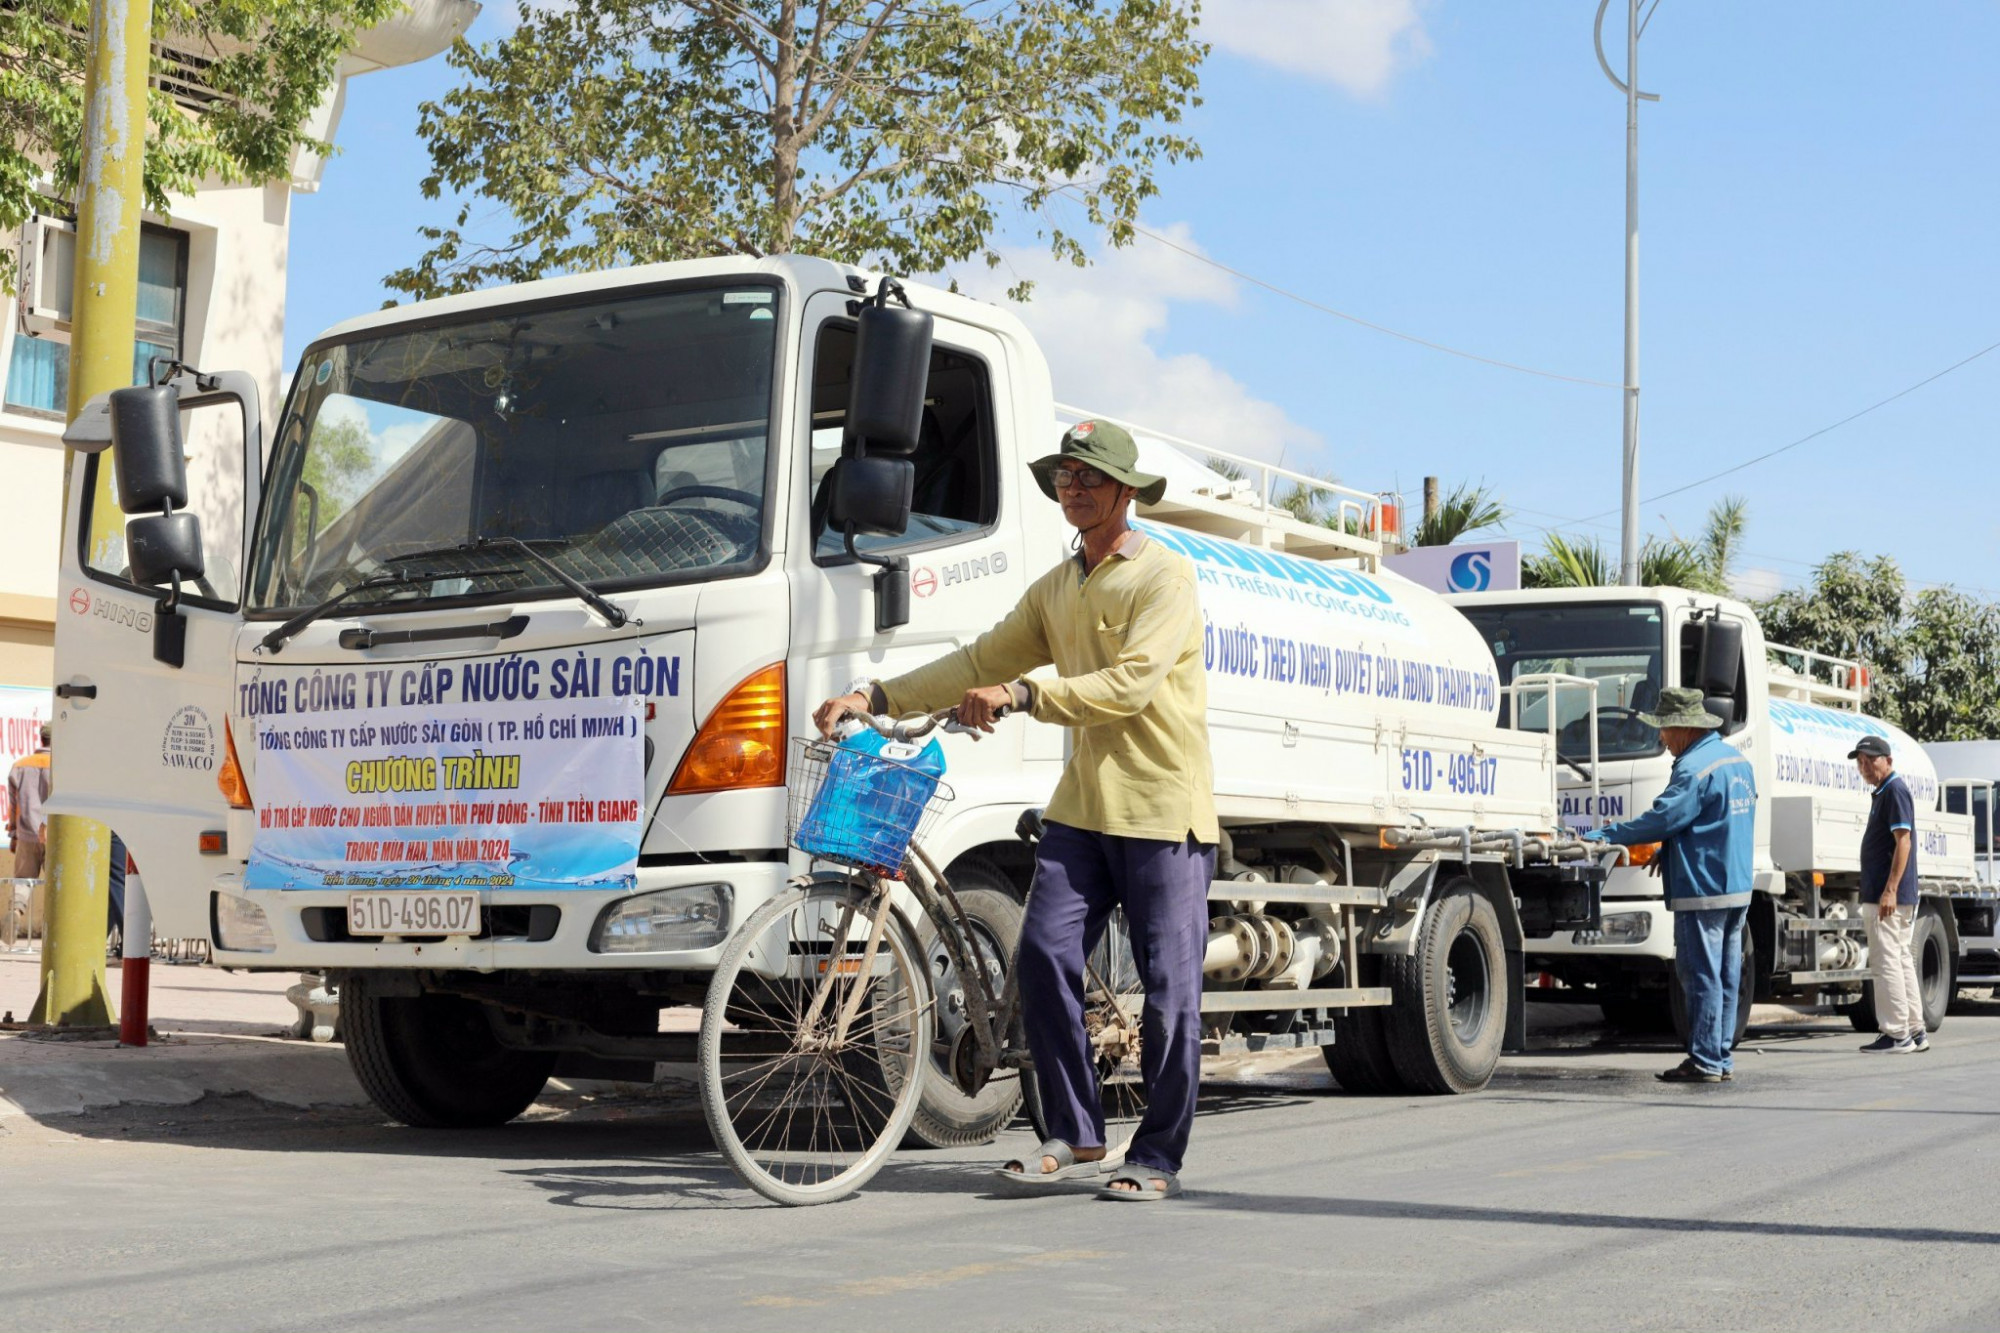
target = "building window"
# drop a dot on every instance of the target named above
(38, 371)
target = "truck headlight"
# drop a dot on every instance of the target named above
(241, 926)
(1619, 928)
(694, 916)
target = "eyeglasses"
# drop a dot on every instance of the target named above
(1087, 477)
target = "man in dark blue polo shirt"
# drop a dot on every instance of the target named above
(1889, 901)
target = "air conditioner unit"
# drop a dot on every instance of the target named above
(48, 276)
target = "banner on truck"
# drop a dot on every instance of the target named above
(23, 710)
(1471, 567)
(512, 794)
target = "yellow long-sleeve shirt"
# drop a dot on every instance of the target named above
(1126, 642)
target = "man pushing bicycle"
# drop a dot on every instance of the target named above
(1131, 823)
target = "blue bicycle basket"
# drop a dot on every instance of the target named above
(862, 801)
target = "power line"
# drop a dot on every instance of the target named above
(1324, 309)
(1806, 439)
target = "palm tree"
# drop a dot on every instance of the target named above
(1582, 563)
(1467, 509)
(1722, 536)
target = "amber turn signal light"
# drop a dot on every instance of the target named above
(230, 776)
(1642, 853)
(743, 742)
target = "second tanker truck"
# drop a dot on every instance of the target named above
(1795, 715)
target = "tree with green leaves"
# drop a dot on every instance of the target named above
(1467, 509)
(1703, 563)
(1854, 609)
(886, 132)
(261, 67)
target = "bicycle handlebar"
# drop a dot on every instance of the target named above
(916, 726)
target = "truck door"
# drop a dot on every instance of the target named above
(137, 742)
(965, 542)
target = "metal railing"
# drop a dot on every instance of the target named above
(1342, 508)
(1551, 684)
(1821, 675)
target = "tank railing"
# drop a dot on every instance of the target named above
(1376, 516)
(1840, 678)
(1552, 684)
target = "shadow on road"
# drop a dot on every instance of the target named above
(1380, 1210)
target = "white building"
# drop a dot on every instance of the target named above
(211, 292)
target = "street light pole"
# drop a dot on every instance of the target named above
(1628, 540)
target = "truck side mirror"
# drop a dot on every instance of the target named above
(1720, 660)
(872, 495)
(892, 366)
(162, 540)
(146, 448)
(1719, 669)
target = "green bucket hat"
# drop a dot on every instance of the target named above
(1682, 708)
(1110, 450)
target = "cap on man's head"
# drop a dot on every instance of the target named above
(1875, 746)
(48, 734)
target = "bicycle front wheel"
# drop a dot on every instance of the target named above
(812, 1048)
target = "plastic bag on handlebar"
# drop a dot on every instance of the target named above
(869, 806)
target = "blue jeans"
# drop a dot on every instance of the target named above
(1708, 951)
(1080, 877)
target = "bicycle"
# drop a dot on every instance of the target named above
(821, 1011)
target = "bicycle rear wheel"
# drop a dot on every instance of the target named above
(807, 1103)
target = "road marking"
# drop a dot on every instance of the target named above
(929, 1279)
(1585, 1163)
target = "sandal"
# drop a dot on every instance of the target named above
(1068, 1167)
(1141, 1178)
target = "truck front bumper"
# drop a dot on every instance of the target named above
(1628, 929)
(308, 927)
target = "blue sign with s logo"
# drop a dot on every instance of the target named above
(1472, 572)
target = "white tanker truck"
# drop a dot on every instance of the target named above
(1794, 715)
(536, 584)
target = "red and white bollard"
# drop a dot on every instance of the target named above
(136, 950)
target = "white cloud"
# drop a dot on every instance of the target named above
(1359, 45)
(1754, 585)
(1101, 329)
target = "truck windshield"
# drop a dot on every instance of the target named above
(1615, 644)
(624, 439)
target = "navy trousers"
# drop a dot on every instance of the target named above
(1163, 887)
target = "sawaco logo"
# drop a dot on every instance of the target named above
(1472, 572)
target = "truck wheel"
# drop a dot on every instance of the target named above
(433, 1062)
(1359, 1057)
(1936, 978)
(946, 1117)
(1937, 973)
(1448, 1016)
(1746, 996)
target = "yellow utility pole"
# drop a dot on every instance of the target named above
(110, 189)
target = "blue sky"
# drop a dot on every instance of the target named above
(1818, 195)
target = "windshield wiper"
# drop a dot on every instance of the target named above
(614, 616)
(277, 638)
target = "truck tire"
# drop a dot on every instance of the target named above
(1448, 1016)
(946, 1117)
(1937, 973)
(1746, 996)
(432, 1062)
(1359, 1057)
